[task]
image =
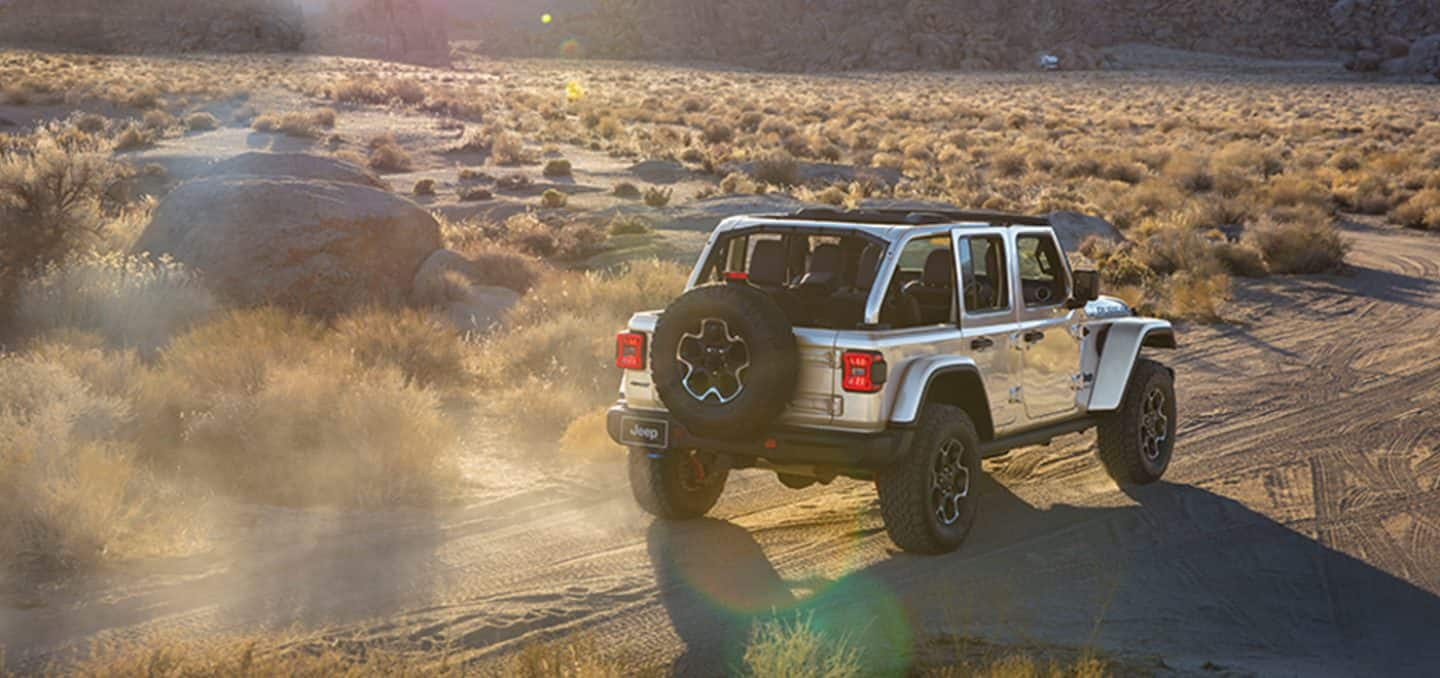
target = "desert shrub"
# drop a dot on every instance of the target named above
(386, 155)
(717, 131)
(158, 121)
(425, 350)
(1009, 163)
(1241, 259)
(796, 648)
(1190, 172)
(1311, 245)
(553, 199)
(1172, 249)
(1422, 210)
(507, 148)
(558, 167)
(1197, 295)
(628, 224)
(778, 169)
(369, 90)
(53, 193)
(134, 137)
(130, 301)
(626, 190)
(1287, 190)
(71, 494)
(200, 121)
(476, 194)
(425, 187)
(270, 406)
(495, 263)
(658, 197)
(325, 431)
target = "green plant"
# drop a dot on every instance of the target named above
(658, 197)
(553, 199)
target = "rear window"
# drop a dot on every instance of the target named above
(820, 279)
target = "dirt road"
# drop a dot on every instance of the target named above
(1298, 531)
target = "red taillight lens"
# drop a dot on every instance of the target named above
(630, 351)
(865, 371)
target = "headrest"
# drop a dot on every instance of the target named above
(939, 269)
(826, 259)
(767, 263)
(869, 267)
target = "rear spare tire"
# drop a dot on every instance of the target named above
(725, 360)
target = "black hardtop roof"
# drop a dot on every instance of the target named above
(910, 217)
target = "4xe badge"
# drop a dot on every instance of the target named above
(645, 432)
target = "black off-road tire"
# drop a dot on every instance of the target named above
(666, 487)
(1129, 457)
(908, 497)
(773, 360)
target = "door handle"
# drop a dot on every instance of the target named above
(982, 343)
(1034, 336)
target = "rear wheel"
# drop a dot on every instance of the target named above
(930, 499)
(1137, 440)
(677, 484)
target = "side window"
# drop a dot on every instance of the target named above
(922, 291)
(986, 286)
(1042, 272)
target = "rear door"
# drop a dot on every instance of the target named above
(1048, 334)
(987, 317)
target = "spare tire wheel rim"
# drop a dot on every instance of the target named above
(715, 361)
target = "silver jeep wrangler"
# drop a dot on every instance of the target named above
(895, 346)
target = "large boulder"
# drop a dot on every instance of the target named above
(295, 166)
(1074, 228)
(316, 246)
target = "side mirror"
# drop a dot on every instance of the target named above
(1087, 289)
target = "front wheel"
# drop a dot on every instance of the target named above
(929, 500)
(1137, 440)
(677, 484)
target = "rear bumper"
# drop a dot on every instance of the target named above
(783, 445)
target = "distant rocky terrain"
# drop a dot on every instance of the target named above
(1392, 36)
(846, 34)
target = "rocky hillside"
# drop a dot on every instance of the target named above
(839, 34)
(153, 25)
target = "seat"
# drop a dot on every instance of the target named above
(935, 289)
(823, 276)
(767, 272)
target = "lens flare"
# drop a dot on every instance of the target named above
(573, 91)
(570, 48)
(546, 18)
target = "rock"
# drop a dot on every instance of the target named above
(481, 309)
(445, 283)
(295, 166)
(1394, 47)
(1365, 61)
(1073, 228)
(660, 171)
(1424, 56)
(316, 246)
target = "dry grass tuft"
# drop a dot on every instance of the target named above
(796, 648)
(1421, 211)
(426, 351)
(1308, 245)
(130, 301)
(387, 155)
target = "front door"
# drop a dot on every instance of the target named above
(1048, 334)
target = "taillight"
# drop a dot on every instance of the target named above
(630, 351)
(865, 371)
